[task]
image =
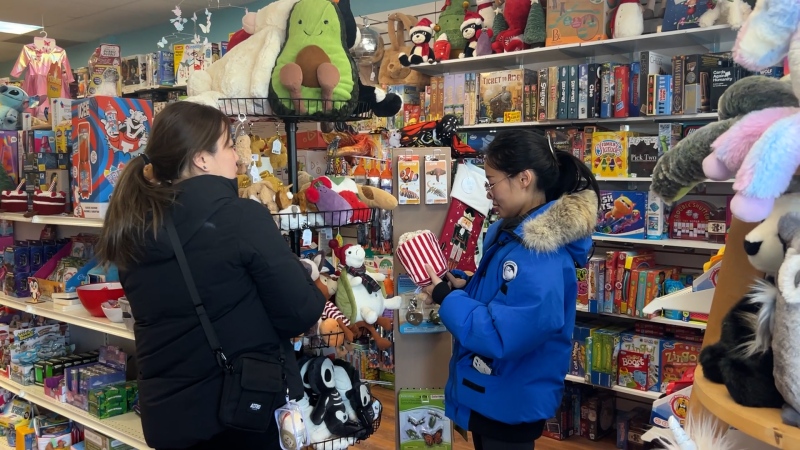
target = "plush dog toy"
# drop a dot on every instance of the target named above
(680, 169)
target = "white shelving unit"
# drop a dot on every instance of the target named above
(78, 316)
(644, 180)
(680, 243)
(65, 220)
(622, 120)
(126, 428)
(649, 395)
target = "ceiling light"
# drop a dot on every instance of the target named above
(17, 28)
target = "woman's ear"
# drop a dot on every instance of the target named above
(526, 178)
(200, 162)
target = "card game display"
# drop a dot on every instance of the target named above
(610, 153)
(643, 153)
(689, 220)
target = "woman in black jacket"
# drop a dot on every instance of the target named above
(254, 289)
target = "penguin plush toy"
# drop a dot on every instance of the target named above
(329, 407)
(381, 103)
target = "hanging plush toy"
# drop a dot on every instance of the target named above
(360, 295)
(470, 30)
(422, 38)
(13, 101)
(516, 14)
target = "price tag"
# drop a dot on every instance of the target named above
(276, 147)
(512, 116)
(328, 233)
(307, 236)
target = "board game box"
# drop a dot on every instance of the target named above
(621, 214)
(502, 94)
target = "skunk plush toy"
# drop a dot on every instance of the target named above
(329, 407)
(381, 103)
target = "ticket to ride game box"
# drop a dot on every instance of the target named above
(107, 132)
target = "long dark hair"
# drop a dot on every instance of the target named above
(557, 172)
(179, 133)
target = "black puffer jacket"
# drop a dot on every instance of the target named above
(255, 290)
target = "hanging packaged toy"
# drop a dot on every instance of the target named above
(416, 249)
(291, 426)
(468, 209)
(436, 175)
(408, 176)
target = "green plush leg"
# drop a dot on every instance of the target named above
(292, 79)
(329, 77)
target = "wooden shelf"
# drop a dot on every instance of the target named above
(763, 424)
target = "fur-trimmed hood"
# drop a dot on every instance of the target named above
(564, 221)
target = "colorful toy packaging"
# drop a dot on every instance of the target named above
(576, 21)
(105, 77)
(108, 132)
(621, 214)
(421, 420)
(610, 154)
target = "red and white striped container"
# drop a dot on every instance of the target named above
(416, 249)
(14, 201)
(50, 202)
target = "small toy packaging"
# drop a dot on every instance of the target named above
(82, 380)
(421, 420)
(689, 220)
(60, 112)
(108, 132)
(649, 347)
(677, 357)
(410, 113)
(567, 22)
(134, 73)
(190, 58)
(582, 302)
(105, 77)
(560, 426)
(64, 138)
(655, 217)
(675, 404)
(52, 432)
(610, 153)
(597, 416)
(43, 141)
(9, 155)
(96, 441)
(643, 152)
(620, 214)
(161, 68)
(633, 370)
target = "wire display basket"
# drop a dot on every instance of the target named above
(294, 221)
(342, 442)
(300, 110)
(324, 340)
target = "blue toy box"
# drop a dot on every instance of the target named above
(621, 214)
(107, 132)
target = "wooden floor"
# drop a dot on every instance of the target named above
(384, 439)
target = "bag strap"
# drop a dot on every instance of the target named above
(199, 308)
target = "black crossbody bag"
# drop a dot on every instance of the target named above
(254, 383)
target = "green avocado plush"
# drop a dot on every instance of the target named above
(314, 74)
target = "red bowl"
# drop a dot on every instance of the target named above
(93, 295)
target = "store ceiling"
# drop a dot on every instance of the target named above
(73, 22)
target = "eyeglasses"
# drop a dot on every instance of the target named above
(489, 187)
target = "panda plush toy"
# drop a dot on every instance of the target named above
(422, 37)
(734, 360)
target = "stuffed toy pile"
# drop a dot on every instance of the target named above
(296, 54)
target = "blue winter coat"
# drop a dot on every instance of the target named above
(516, 315)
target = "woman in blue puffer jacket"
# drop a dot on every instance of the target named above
(512, 320)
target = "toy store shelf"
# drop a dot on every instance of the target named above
(632, 392)
(683, 300)
(684, 40)
(661, 242)
(126, 428)
(764, 424)
(661, 320)
(645, 180)
(626, 120)
(53, 220)
(79, 317)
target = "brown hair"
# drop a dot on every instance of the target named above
(179, 133)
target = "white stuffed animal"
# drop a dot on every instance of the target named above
(734, 12)
(245, 71)
(361, 299)
(292, 218)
